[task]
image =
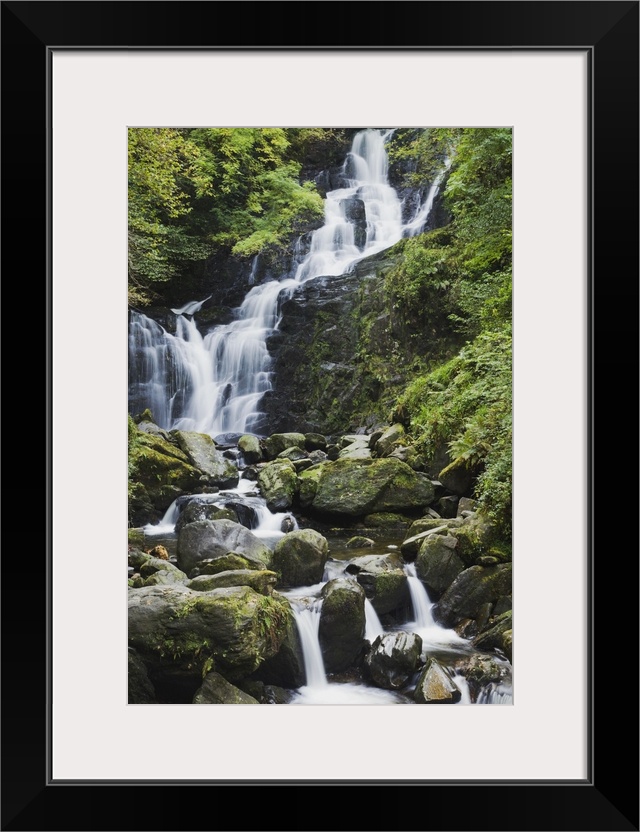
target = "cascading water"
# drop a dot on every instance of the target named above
(307, 618)
(214, 384)
(373, 627)
(419, 599)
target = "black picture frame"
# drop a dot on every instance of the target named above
(608, 798)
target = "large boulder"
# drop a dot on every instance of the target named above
(286, 668)
(308, 484)
(260, 580)
(209, 539)
(355, 487)
(389, 439)
(250, 449)
(459, 477)
(342, 623)
(178, 630)
(215, 690)
(278, 442)
(162, 472)
(435, 686)
(438, 564)
(470, 591)
(201, 451)
(393, 659)
(278, 483)
(299, 558)
(383, 579)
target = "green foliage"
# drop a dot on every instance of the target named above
(458, 279)
(162, 170)
(416, 156)
(467, 404)
(192, 191)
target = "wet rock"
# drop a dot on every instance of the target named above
(178, 630)
(342, 623)
(198, 509)
(435, 686)
(356, 487)
(202, 454)
(492, 638)
(278, 442)
(393, 658)
(207, 539)
(249, 446)
(383, 579)
(278, 483)
(261, 580)
(438, 564)
(470, 590)
(299, 558)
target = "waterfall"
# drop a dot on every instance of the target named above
(419, 599)
(307, 618)
(214, 384)
(373, 627)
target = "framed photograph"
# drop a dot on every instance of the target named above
(562, 80)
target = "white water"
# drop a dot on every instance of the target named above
(373, 627)
(307, 617)
(215, 384)
(433, 635)
(267, 525)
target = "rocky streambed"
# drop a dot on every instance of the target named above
(304, 569)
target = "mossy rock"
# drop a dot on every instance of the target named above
(389, 439)
(278, 442)
(223, 563)
(278, 483)
(178, 630)
(202, 454)
(356, 487)
(438, 564)
(386, 520)
(207, 539)
(135, 537)
(157, 470)
(383, 579)
(308, 484)
(411, 545)
(342, 623)
(249, 446)
(299, 558)
(470, 591)
(459, 477)
(261, 580)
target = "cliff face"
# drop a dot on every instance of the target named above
(342, 353)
